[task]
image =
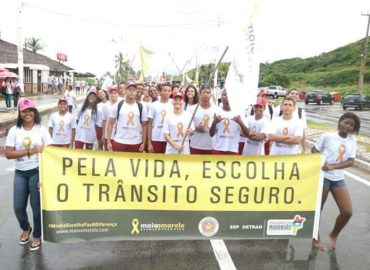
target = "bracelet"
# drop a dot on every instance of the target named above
(28, 153)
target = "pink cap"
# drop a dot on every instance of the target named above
(178, 94)
(261, 102)
(112, 88)
(26, 104)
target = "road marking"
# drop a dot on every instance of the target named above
(357, 178)
(222, 255)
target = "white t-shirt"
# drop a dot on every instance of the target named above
(129, 129)
(146, 105)
(227, 133)
(336, 150)
(70, 96)
(158, 112)
(252, 147)
(202, 140)
(292, 127)
(85, 130)
(100, 107)
(21, 139)
(303, 118)
(62, 126)
(107, 110)
(175, 125)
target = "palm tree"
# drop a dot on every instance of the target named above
(123, 67)
(34, 44)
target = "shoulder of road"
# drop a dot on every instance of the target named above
(362, 161)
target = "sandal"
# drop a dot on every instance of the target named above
(25, 241)
(35, 247)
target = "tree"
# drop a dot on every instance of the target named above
(123, 67)
(34, 44)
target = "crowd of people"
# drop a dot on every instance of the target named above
(173, 119)
(11, 90)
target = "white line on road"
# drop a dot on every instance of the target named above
(222, 255)
(357, 178)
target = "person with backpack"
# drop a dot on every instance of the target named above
(285, 131)
(300, 114)
(131, 120)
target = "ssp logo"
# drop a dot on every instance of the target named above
(208, 226)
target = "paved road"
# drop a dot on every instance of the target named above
(352, 249)
(330, 114)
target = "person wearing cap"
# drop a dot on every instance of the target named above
(113, 93)
(254, 144)
(131, 124)
(88, 119)
(226, 129)
(23, 143)
(157, 113)
(175, 127)
(62, 126)
(70, 96)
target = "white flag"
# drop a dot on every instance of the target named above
(242, 78)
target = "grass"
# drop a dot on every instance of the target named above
(317, 125)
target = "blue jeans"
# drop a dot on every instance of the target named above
(26, 185)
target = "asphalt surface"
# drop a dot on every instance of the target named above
(329, 114)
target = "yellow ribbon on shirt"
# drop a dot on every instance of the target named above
(61, 126)
(163, 114)
(86, 119)
(205, 121)
(180, 133)
(226, 126)
(285, 131)
(342, 151)
(130, 118)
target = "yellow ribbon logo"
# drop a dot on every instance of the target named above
(135, 226)
(342, 151)
(226, 126)
(26, 142)
(130, 118)
(179, 130)
(205, 121)
(61, 126)
(285, 131)
(163, 114)
(86, 119)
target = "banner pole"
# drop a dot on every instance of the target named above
(206, 86)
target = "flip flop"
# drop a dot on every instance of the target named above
(25, 241)
(36, 247)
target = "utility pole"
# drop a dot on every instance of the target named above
(364, 56)
(20, 43)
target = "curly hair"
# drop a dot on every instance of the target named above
(354, 117)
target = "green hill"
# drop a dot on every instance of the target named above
(337, 70)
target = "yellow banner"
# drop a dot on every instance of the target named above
(98, 180)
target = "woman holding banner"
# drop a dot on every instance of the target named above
(339, 150)
(24, 142)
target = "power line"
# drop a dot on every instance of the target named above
(212, 22)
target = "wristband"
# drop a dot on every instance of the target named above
(28, 153)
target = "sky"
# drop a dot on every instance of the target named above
(180, 32)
